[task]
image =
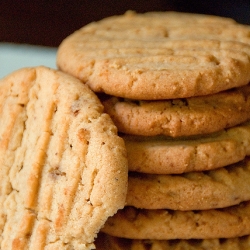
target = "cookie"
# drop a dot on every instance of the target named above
(63, 167)
(151, 56)
(163, 224)
(180, 117)
(107, 242)
(165, 155)
(218, 188)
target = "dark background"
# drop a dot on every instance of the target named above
(49, 22)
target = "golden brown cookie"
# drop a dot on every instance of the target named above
(152, 56)
(218, 188)
(63, 167)
(107, 242)
(165, 155)
(180, 117)
(163, 224)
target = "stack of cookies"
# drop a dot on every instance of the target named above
(177, 87)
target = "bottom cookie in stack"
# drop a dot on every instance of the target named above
(165, 224)
(105, 241)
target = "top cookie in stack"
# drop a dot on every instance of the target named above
(175, 84)
(156, 56)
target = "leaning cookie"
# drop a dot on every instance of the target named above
(151, 56)
(180, 117)
(107, 242)
(217, 188)
(162, 224)
(166, 155)
(63, 167)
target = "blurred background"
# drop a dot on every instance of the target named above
(49, 22)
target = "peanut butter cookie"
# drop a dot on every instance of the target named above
(63, 167)
(159, 55)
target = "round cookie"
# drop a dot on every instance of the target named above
(107, 242)
(180, 117)
(160, 224)
(63, 167)
(164, 155)
(151, 56)
(218, 188)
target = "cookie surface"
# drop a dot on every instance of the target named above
(55, 187)
(160, 224)
(180, 117)
(218, 188)
(108, 242)
(133, 57)
(165, 155)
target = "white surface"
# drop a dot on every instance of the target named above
(13, 57)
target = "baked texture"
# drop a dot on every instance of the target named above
(107, 242)
(60, 158)
(158, 55)
(163, 224)
(219, 188)
(180, 117)
(166, 155)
